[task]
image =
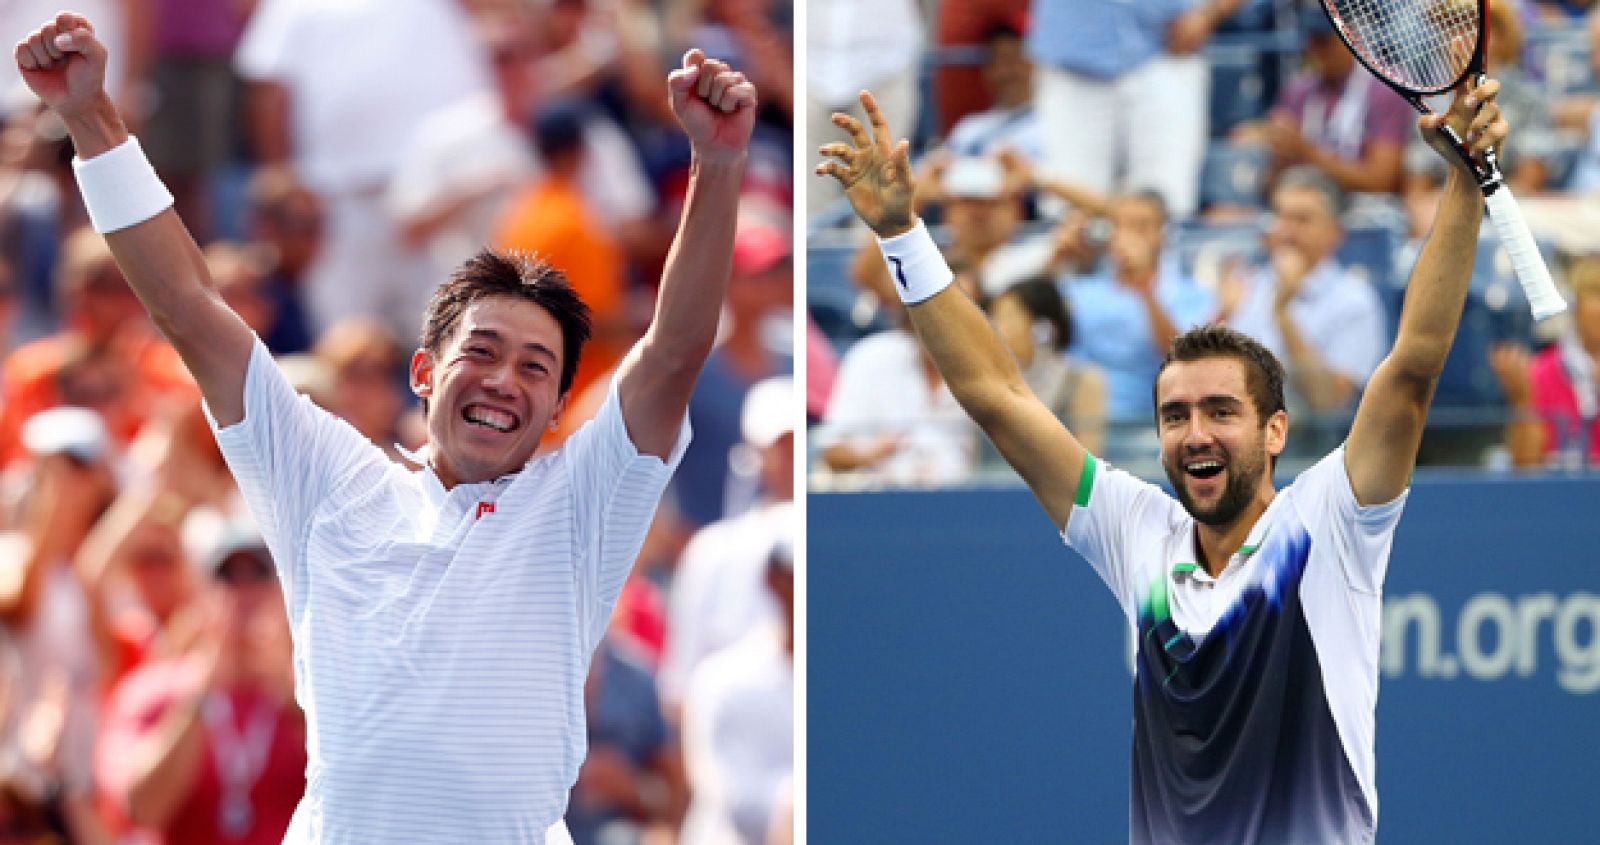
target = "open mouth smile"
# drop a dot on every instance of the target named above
(493, 419)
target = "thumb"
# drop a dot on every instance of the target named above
(81, 40)
(681, 81)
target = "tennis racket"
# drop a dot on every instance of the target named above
(1421, 48)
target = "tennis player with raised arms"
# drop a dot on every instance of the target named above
(1256, 611)
(443, 620)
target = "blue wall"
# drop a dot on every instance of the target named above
(968, 679)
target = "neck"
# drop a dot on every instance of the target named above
(1216, 543)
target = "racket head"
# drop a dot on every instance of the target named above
(1418, 47)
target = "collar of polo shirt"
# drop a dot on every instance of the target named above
(1183, 565)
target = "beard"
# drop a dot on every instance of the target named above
(1244, 477)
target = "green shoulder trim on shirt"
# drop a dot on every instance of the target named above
(1247, 549)
(1185, 567)
(1085, 481)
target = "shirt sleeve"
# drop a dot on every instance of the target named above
(1111, 509)
(615, 491)
(288, 456)
(1362, 537)
(1356, 337)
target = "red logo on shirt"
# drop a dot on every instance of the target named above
(483, 508)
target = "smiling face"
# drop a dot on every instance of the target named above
(493, 389)
(1214, 446)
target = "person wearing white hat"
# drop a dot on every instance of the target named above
(717, 595)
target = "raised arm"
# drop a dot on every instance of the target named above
(876, 175)
(717, 108)
(1388, 426)
(64, 63)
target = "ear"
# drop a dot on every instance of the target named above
(422, 373)
(1277, 432)
(557, 410)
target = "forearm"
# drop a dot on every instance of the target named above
(1323, 388)
(695, 280)
(166, 764)
(1376, 172)
(1437, 290)
(1162, 329)
(168, 273)
(978, 368)
(1084, 198)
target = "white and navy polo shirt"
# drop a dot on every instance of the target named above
(441, 638)
(1255, 691)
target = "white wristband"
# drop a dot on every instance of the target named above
(916, 265)
(120, 188)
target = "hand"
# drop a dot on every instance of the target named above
(1189, 31)
(1474, 116)
(876, 177)
(1017, 169)
(1510, 364)
(715, 105)
(1231, 288)
(1284, 139)
(1290, 267)
(65, 64)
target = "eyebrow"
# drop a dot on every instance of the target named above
(532, 346)
(1215, 400)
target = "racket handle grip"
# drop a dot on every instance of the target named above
(1523, 251)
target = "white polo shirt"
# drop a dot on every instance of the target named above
(1255, 691)
(441, 638)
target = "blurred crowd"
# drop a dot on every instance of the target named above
(1103, 175)
(336, 160)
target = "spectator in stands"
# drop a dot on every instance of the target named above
(188, 106)
(468, 159)
(1581, 112)
(891, 419)
(1338, 118)
(1552, 395)
(1032, 319)
(738, 726)
(1325, 324)
(366, 371)
(718, 594)
(210, 746)
(982, 198)
(759, 307)
(1122, 93)
(48, 619)
(341, 108)
(553, 218)
(1010, 122)
(631, 785)
(106, 357)
(285, 221)
(850, 46)
(964, 27)
(1125, 317)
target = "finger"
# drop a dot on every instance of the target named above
(902, 155)
(72, 22)
(880, 124)
(47, 39)
(836, 170)
(681, 81)
(1485, 117)
(1491, 137)
(853, 126)
(719, 89)
(24, 57)
(740, 96)
(693, 58)
(841, 151)
(708, 76)
(41, 58)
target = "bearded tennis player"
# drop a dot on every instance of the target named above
(443, 619)
(1256, 611)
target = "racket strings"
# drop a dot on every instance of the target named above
(1424, 46)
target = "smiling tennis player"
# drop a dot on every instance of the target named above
(443, 620)
(1256, 611)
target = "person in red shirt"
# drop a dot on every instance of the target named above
(210, 746)
(1552, 395)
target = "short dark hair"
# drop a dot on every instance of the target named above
(516, 274)
(1263, 374)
